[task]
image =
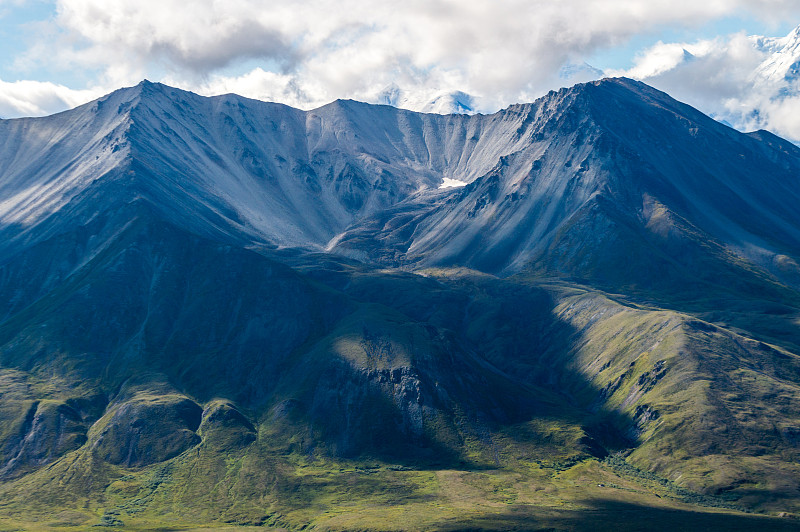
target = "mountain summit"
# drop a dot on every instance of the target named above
(783, 63)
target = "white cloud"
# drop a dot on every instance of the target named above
(261, 85)
(743, 80)
(708, 70)
(35, 98)
(312, 51)
(779, 115)
(511, 46)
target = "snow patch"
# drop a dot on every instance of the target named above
(450, 183)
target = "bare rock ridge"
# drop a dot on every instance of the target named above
(605, 167)
(613, 157)
(229, 165)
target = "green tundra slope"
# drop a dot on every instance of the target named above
(441, 401)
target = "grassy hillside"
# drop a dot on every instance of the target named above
(446, 399)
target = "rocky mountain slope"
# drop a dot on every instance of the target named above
(607, 167)
(220, 310)
(235, 166)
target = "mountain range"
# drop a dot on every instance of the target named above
(748, 81)
(220, 310)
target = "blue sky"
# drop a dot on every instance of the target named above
(18, 30)
(55, 54)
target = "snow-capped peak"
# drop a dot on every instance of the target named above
(783, 63)
(441, 102)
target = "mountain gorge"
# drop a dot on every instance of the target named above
(220, 310)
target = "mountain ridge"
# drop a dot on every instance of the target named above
(131, 107)
(591, 149)
(265, 174)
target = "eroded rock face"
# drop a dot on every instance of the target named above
(49, 429)
(146, 429)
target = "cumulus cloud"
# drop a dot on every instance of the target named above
(128, 37)
(746, 81)
(706, 71)
(310, 52)
(35, 98)
(261, 85)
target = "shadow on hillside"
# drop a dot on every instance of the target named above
(494, 359)
(224, 322)
(616, 516)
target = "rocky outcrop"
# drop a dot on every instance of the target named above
(49, 430)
